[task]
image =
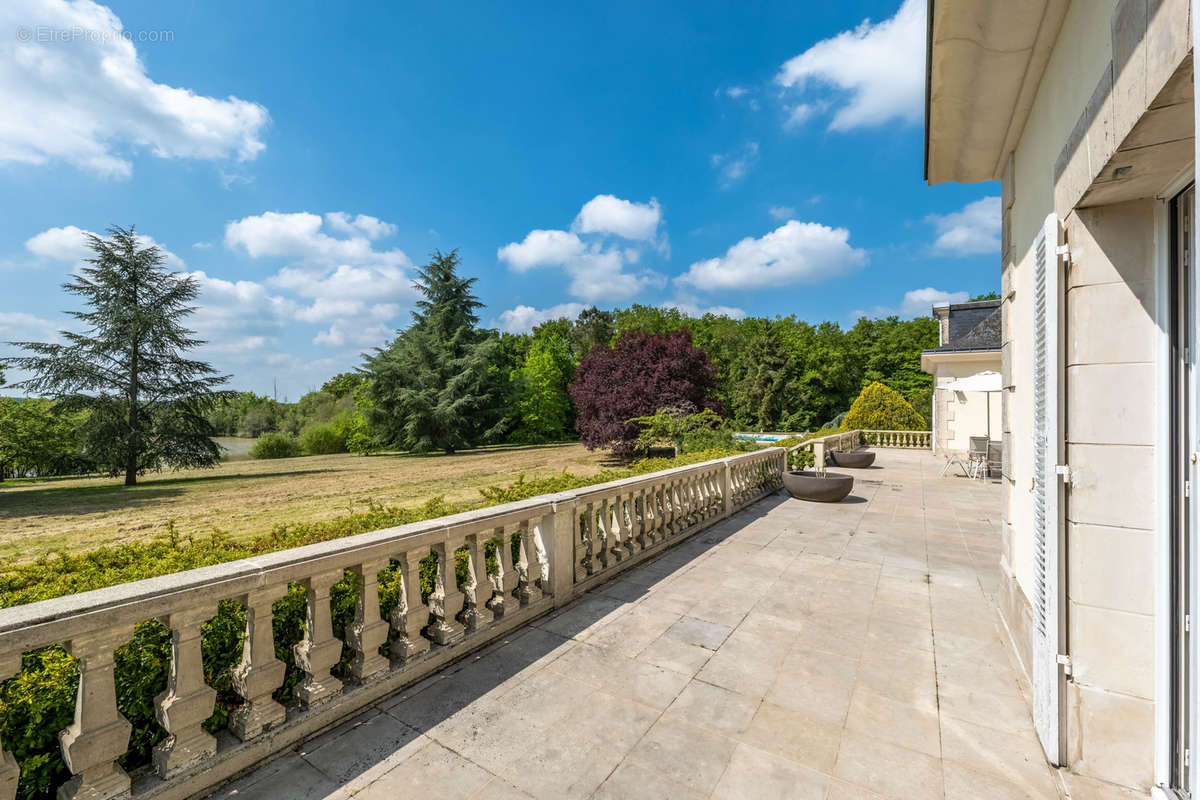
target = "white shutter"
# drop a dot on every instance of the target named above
(1048, 678)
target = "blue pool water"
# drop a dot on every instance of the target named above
(763, 437)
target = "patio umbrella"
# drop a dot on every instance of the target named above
(987, 381)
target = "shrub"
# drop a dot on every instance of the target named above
(275, 445)
(323, 438)
(881, 408)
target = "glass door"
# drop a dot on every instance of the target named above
(1183, 479)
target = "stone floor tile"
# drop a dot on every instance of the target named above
(1005, 712)
(801, 737)
(888, 769)
(287, 776)
(1014, 757)
(684, 753)
(630, 781)
(842, 790)
(713, 708)
(693, 630)
(883, 717)
(891, 637)
(499, 789)
(432, 771)
(1092, 789)
(754, 773)
(964, 783)
(581, 615)
(361, 747)
(672, 654)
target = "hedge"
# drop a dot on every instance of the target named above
(39, 701)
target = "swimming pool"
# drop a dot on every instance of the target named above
(764, 437)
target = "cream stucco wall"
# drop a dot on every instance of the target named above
(1079, 58)
(1111, 405)
(961, 415)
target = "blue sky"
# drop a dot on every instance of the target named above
(300, 160)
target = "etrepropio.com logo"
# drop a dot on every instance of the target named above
(51, 34)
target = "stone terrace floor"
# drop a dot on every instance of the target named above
(796, 650)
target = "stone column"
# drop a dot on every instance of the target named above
(259, 673)
(558, 534)
(368, 631)
(319, 651)
(188, 700)
(445, 629)
(99, 735)
(10, 664)
(410, 615)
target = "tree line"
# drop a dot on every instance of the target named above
(124, 396)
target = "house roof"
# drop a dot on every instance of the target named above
(972, 327)
(984, 62)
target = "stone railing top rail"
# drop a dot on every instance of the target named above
(25, 627)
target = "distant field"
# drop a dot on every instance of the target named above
(246, 497)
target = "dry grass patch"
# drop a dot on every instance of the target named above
(245, 498)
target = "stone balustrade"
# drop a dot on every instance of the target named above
(546, 551)
(851, 440)
(910, 440)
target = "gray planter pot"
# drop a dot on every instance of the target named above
(857, 459)
(829, 488)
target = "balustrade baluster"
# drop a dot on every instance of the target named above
(187, 701)
(616, 538)
(670, 509)
(410, 614)
(478, 614)
(259, 673)
(637, 516)
(595, 540)
(446, 599)
(10, 772)
(531, 564)
(511, 577)
(368, 632)
(319, 651)
(99, 735)
(626, 508)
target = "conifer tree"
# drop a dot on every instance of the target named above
(146, 401)
(432, 386)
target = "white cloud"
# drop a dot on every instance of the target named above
(734, 166)
(523, 319)
(796, 252)
(596, 266)
(782, 212)
(875, 73)
(605, 213)
(22, 327)
(541, 248)
(919, 301)
(916, 303)
(371, 227)
(736, 91)
(344, 278)
(89, 102)
(693, 309)
(69, 244)
(972, 230)
(799, 114)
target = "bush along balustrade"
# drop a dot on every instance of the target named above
(139, 677)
